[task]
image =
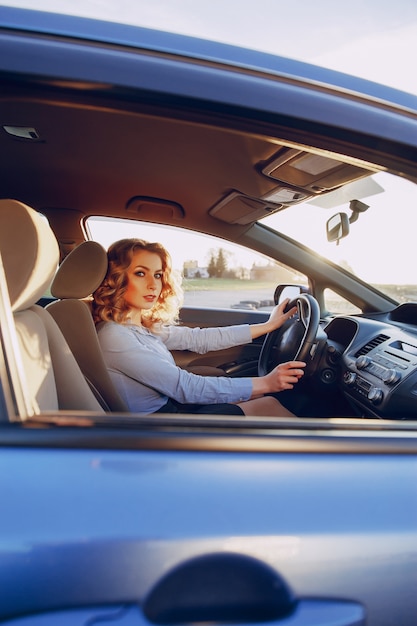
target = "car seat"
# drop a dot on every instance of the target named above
(78, 276)
(43, 363)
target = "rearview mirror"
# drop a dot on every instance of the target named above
(337, 227)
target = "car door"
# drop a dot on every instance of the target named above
(236, 361)
(177, 522)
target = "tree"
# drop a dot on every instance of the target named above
(217, 265)
(211, 267)
(221, 263)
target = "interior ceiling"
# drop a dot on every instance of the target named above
(110, 156)
(95, 159)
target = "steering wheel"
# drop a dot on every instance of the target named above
(294, 340)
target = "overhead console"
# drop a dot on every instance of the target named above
(238, 208)
(311, 173)
(296, 176)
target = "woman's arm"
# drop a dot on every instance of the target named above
(142, 365)
(202, 340)
(144, 368)
(276, 320)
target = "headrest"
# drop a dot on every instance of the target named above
(81, 272)
(29, 251)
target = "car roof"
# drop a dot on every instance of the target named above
(137, 37)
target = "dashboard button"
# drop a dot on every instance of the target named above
(391, 376)
(362, 362)
(349, 378)
(375, 395)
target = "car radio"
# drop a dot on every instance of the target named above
(389, 365)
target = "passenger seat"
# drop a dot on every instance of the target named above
(78, 276)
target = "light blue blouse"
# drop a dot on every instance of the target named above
(144, 372)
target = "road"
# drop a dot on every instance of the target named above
(222, 298)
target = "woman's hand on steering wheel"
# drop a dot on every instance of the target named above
(295, 339)
(277, 318)
(284, 376)
(279, 315)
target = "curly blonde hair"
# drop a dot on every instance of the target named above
(108, 299)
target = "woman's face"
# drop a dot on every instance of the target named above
(144, 276)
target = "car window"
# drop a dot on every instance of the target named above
(380, 246)
(216, 273)
(335, 303)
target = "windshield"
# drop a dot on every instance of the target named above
(380, 246)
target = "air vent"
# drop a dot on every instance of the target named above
(371, 345)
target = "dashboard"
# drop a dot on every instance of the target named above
(376, 357)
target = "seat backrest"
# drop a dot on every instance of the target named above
(30, 254)
(77, 278)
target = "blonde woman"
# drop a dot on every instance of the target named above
(136, 312)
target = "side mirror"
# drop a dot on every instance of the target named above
(282, 292)
(337, 227)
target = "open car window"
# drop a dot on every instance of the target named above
(215, 273)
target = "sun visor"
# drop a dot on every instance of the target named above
(358, 190)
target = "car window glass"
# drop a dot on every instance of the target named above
(216, 273)
(337, 304)
(380, 246)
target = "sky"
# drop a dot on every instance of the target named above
(373, 39)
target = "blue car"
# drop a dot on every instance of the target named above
(270, 180)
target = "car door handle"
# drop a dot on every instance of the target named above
(227, 587)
